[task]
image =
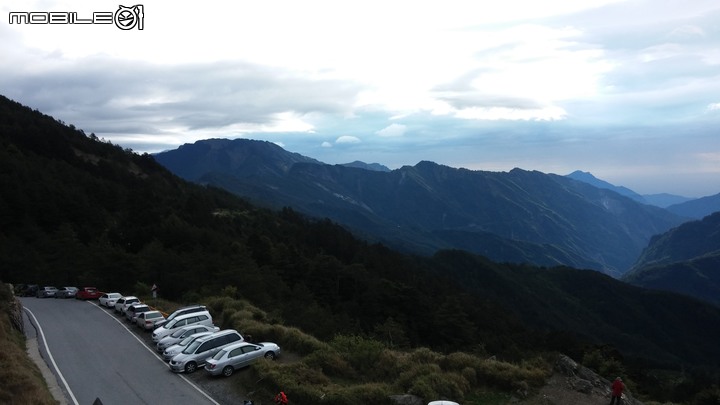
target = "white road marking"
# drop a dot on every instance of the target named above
(52, 359)
(198, 389)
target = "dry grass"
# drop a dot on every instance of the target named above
(22, 382)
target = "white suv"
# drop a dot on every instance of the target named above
(199, 318)
(183, 311)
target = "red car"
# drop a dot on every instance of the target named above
(88, 293)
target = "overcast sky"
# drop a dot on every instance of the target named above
(627, 90)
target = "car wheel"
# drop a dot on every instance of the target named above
(228, 371)
(190, 367)
(270, 355)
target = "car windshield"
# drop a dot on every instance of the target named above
(188, 339)
(150, 315)
(177, 333)
(219, 355)
(191, 347)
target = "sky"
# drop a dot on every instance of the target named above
(627, 90)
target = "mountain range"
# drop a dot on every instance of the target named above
(518, 216)
(694, 208)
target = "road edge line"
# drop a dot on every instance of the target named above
(52, 359)
(195, 387)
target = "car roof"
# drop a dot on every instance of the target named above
(183, 316)
(219, 333)
(241, 343)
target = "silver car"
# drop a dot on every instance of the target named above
(44, 292)
(148, 319)
(239, 355)
(181, 333)
(66, 292)
(196, 353)
(175, 349)
(134, 310)
(126, 304)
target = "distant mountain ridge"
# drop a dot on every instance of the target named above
(594, 181)
(686, 260)
(662, 200)
(529, 216)
(697, 208)
(367, 166)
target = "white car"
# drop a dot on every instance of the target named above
(239, 355)
(181, 333)
(121, 307)
(108, 300)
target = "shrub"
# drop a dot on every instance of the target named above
(362, 394)
(360, 352)
(331, 363)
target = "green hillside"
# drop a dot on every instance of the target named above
(685, 260)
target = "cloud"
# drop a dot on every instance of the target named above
(392, 130)
(713, 107)
(326, 144)
(347, 139)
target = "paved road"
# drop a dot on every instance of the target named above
(97, 357)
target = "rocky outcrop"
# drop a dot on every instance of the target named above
(581, 379)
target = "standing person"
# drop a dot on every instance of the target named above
(617, 390)
(281, 399)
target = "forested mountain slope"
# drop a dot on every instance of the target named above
(685, 259)
(519, 216)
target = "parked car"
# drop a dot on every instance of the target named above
(88, 293)
(183, 311)
(195, 318)
(66, 292)
(45, 292)
(109, 299)
(177, 348)
(133, 310)
(239, 355)
(19, 289)
(196, 353)
(181, 333)
(148, 319)
(122, 306)
(31, 290)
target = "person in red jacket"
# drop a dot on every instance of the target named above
(617, 390)
(281, 399)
